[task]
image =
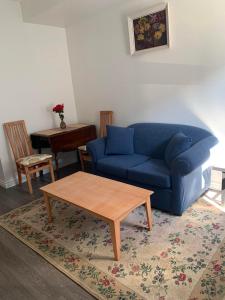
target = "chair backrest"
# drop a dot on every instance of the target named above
(18, 138)
(106, 118)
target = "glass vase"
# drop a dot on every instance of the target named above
(62, 123)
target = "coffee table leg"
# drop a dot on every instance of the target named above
(48, 205)
(148, 213)
(115, 229)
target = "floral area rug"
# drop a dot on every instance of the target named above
(181, 258)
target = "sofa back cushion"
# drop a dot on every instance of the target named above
(177, 145)
(119, 140)
(152, 138)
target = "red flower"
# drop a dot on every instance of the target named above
(177, 240)
(189, 225)
(135, 268)
(72, 259)
(115, 270)
(215, 226)
(182, 277)
(46, 242)
(164, 254)
(105, 282)
(59, 108)
(25, 227)
(217, 268)
(109, 241)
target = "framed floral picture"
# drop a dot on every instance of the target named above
(149, 30)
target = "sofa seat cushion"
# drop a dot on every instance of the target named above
(153, 172)
(117, 165)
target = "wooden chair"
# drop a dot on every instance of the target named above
(106, 118)
(27, 163)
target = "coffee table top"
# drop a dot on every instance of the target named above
(103, 197)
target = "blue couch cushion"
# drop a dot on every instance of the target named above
(117, 165)
(152, 138)
(153, 172)
(177, 145)
(120, 140)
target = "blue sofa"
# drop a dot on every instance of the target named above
(176, 186)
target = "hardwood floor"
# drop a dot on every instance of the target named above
(24, 275)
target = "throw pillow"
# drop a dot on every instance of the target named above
(119, 140)
(177, 144)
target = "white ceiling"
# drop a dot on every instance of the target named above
(62, 12)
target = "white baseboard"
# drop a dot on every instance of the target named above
(6, 184)
(13, 181)
(3, 183)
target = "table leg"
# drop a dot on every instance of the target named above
(115, 229)
(148, 213)
(56, 164)
(48, 205)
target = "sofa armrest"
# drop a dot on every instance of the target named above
(96, 149)
(194, 157)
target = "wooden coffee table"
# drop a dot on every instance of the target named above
(107, 199)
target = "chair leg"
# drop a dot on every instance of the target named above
(29, 180)
(56, 164)
(51, 170)
(19, 177)
(34, 175)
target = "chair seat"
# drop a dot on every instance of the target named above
(33, 159)
(83, 148)
(153, 172)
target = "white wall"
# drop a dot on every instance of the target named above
(183, 84)
(34, 75)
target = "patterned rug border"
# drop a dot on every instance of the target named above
(50, 260)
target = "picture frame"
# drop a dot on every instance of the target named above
(149, 30)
